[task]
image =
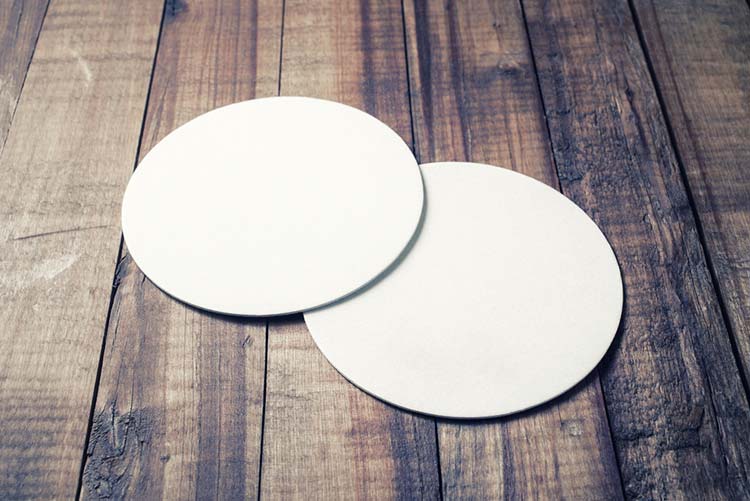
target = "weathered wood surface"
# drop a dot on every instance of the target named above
(676, 405)
(68, 155)
(324, 438)
(475, 98)
(20, 22)
(191, 404)
(700, 54)
(180, 402)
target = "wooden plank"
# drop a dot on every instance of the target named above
(676, 405)
(65, 164)
(324, 438)
(180, 402)
(475, 98)
(701, 59)
(20, 22)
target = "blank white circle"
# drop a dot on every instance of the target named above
(272, 206)
(509, 296)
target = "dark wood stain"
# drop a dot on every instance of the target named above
(508, 471)
(699, 54)
(457, 84)
(116, 440)
(424, 68)
(252, 59)
(674, 396)
(173, 8)
(414, 435)
(369, 85)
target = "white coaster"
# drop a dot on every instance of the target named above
(509, 296)
(272, 206)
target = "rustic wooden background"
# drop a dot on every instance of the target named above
(638, 110)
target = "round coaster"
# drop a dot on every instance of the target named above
(509, 296)
(272, 206)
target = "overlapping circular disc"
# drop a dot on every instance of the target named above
(509, 296)
(272, 206)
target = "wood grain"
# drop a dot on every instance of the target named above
(180, 405)
(675, 401)
(180, 402)
(475, 98)
(65, 163)
(20, 22)
(325, 439)
(701, 59)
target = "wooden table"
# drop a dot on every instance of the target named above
(639, 112)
